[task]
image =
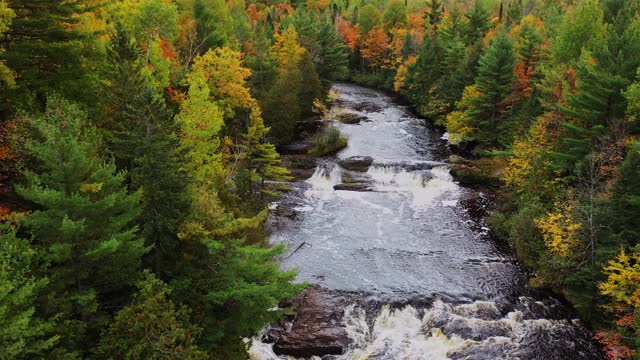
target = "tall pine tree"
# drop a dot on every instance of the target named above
(84, 225)
(142, 136)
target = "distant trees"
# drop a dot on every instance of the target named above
(295, 88)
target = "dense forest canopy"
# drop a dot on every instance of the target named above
(138, 154)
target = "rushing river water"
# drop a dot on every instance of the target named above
(411, 239)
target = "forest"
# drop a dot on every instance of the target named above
(139, 154)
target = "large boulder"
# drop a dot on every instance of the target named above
(472, 176)
(301, 167)
(316, 329)
(367, 107)
(350, 118)
(356, 163)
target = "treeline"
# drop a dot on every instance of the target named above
(547, 93)
(138, 155)
(138, 159)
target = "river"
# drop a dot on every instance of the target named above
(454, 291)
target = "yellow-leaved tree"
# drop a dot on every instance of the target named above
(560, 229)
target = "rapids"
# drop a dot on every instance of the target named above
(411, 241)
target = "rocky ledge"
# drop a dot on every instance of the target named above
(316, 329)
(356, 163)
(350, 118)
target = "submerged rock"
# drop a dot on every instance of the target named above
(357, 163)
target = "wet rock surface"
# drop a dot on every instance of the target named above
(350, 118)
(369, 107)
(356, 163)
(301, 167)
(472, 176)
(316, 329)
(353, 187)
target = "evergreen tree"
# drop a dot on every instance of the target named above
(514, 12)
(22, 334)
(493, 83)
(151, 327)
(48, 51)
(454, 27)
(318, 34)
(434, 13)
(479, 21)
(312, 89)
(625, 199)
(83, 225)
(214, 22)
(261, 163)
(368, 17)
(395, 12)
(144, 142)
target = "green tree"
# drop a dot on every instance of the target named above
(84, 224)
(318, 34)
(434, 13)
(144, 142)
(580, 26)
(235, 288)
(7, 75)
(22, 334)
(479, 21)
(312, 89)
(214, 23)
(261, 163)
(151, 327)
(48, 51)
(368, 17)
(395, 12)
(625, 198)
(483, 110)
(454, 27)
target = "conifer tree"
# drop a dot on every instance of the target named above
(22, 333)
(48, 52)
(144, 142)
(368, 17)
(318, 34)
(478, 18)
(395, 12)
(262, 163)
(494, 82)
(84, 224)
(434, 13)
(151, 327)
(625, 198)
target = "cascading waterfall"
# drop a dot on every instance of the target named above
(425, 186)
(407, 238)
(323, 179)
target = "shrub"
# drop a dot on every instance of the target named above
(328, 141)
